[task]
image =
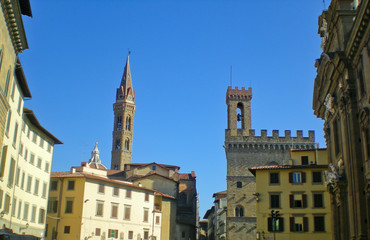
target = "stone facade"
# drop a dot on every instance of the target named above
(342, 98)
(245, 150)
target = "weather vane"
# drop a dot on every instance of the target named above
(129, 52)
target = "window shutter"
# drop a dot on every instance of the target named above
(281, 224)
(304, 200)
(291, 200)
(303, 177)
(292, 224)
(305, 224)
(269, 224)
(290, 177)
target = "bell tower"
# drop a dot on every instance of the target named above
(124, 111)
(238, 111)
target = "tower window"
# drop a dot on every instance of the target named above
(127, 144)
(240, 115)
(128, 123)
(239, 184)
(119, 123)
(118, 144)
(239, 211)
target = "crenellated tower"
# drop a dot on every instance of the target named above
(124, 111)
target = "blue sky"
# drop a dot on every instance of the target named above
(180, 65)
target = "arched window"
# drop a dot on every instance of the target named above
(128, 123)
(119, 123)
(240, 115)
(239, 211)
(118, 143)
(127, 144)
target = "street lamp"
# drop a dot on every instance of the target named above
(275, 217)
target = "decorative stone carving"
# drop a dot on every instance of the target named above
(329, 105)
(332, 176)
(323, 33)
(364, 119)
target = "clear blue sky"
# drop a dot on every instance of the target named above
(180, 66)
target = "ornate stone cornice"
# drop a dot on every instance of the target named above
(13, 19)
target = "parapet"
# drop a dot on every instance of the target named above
(286, 138)
(238, 94)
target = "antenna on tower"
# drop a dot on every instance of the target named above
(231, 76)
(323, 2)
(129, 52)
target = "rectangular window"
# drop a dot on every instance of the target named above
(274, 178)
(25, 154)
(15, 134)
(275, 201)
(299, 224)
(101, 188)
(25, 211)
(7, 203)
(146, 235)
(29, 184)
(8, 123)
(113, 233)
(36, 187)
(97, 232)
(49, 147)
(44, 187)
(47, 166)
(17, 173)
(128, 193)
(32, 158)
(34, 137)
(69, 205)
(19, 209)
(13, 88)
(28, 133)
(276, 225)
(116, 191)
(14, 205)
(22, 179)
(296, 177)
(304, 160)
(316, 177)
(318, 200)
(21, 149)
(54, 185)
(319, 223)
(33, 213)
(146, 197)
(71, 185)
(3, 160)
(42, 142)
(7, 83)
(130, 235)
(127, 215)
(39, 162)
(19, 105)
(52, 205)
(1, 198)
(11, 173)
(298, 200)
(99, 208)
(146, 214)
(41, 216)
(114, 212)
(157, 220)
(67, 229)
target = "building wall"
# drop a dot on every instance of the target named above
(25, 167)
(160, 184)
(285, 189)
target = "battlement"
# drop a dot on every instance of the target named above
(238, 94)
(275, 138)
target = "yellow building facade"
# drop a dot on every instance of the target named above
(298, 192)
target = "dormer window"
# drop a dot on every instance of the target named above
(154, 168)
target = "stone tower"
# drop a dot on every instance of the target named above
(245, 150)
(124, 112)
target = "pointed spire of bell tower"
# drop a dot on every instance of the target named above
(126, 91)
(124, 110)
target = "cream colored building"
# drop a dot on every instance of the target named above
(86, 203)
(298, 192)
(25, 166)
